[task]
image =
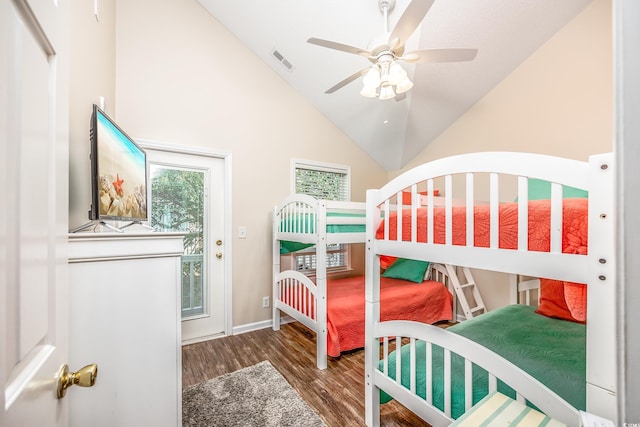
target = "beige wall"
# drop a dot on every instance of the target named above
(182, 78)
(558, 102)
(93, 59)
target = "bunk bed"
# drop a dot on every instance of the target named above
(567, 242)
(334, 308)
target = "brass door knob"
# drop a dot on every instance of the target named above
(85, 377)
(218, 242)
(219, 255)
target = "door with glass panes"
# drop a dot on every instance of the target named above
(187, 195)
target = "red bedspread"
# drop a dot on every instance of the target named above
(426, 302)
(574, 237)
(574, 220)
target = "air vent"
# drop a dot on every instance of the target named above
(281, 59)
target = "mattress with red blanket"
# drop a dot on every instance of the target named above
(427, 302)
(572, 303)
(574, 220)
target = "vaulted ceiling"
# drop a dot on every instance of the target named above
(505, 32)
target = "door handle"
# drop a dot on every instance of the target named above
(219, 255)
(85, 377)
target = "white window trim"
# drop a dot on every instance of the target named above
(327, 167)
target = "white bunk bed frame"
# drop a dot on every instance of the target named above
(597, 270)
(313, 230)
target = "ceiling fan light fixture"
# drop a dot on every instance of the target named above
(369, 91)
(397, 74)
(399, 78)
(384, 64)
(371, 82)
(372, 77)
(404, 85)
(386, 92)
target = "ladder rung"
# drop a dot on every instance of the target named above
(466, 285)
(478, 308)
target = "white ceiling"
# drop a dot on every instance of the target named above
(505, 32)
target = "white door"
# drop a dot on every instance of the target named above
(189, 194)
(34, 215)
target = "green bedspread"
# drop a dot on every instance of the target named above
(288, 247)
(551, 350)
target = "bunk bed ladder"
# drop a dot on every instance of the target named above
(466, 290)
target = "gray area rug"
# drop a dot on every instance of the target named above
(255, 396)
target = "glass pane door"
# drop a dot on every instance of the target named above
(177, 204)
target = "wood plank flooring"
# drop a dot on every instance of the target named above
(336, 393)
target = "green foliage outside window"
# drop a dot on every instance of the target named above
(177, 200)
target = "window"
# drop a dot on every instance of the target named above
(178, 204)
(328, 182)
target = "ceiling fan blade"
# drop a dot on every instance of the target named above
(409, 21)
(439, 55)
(348, 80)
(339, 46)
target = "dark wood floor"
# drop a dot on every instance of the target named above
(336, 393)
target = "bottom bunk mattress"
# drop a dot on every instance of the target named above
(551, 350)
(426, 302)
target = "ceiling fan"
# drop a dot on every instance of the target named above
(386, 78)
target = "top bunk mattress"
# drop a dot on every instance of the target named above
(337, 222)
(574, 221)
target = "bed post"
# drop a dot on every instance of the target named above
(275, 319)
(372, 314)
(321, 284)
(601, 309)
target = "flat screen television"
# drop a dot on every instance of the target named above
(118, 173)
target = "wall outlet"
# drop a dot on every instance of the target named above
(265, 302)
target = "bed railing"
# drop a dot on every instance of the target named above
(297, 296)
(421, 401)
(505, 183)
(524, 291)
(304, 219)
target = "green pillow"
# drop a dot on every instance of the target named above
(540, 190)
(407, 269)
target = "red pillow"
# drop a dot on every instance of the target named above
(386, 261)
(554, 302)
(575, 295)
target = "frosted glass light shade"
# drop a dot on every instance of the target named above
(386, 92)
(404, 85)
(372, 78)
(396, 73)
(369, 91)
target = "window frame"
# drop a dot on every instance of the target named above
(344, 248)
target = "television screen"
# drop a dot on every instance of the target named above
(119, 172)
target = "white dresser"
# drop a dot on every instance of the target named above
(124, 299)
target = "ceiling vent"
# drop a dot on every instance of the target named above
(281, 59)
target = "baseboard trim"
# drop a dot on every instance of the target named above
(202, 339)
(237, 330)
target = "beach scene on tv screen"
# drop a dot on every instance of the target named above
(122, 171)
